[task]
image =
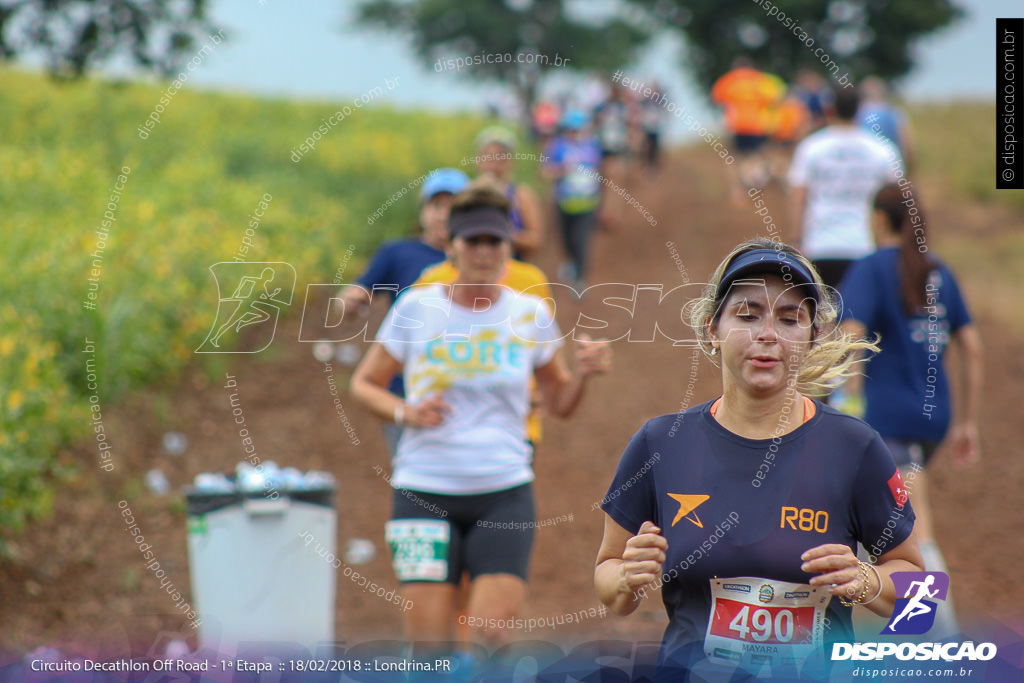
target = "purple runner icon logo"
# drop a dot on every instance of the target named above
(258, 292)
(914, 613)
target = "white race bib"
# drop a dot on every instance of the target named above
(419, 548)
(755, 621)
(580, 183)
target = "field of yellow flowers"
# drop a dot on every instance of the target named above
(108, 235)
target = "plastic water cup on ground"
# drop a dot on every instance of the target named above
(319, 479)
(247, 478)
(292, 479)
(209, 482)
(175, 443)
(323, 351)
(349, 354)
(157, 482)
(359, 551)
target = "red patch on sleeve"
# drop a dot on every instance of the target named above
(899, 492)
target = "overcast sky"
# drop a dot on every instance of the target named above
(309, 49)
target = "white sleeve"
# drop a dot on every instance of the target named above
(548, 335)
(889, 169)
(797, 176)
(420, 314)
(394, 336)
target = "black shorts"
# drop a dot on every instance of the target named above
(488, 533)
(906, 452)
(748, 144)
(832, 270)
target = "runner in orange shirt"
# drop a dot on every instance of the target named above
(748, 97)
(792, 123)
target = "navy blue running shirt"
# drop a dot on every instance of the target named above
(399, 264)
(831, 480)
(905, 387)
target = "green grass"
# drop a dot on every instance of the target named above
(193, 183)
(955, 145)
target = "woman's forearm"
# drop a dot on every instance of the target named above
(971, 377)
(886, 600)
(378, 400)
(608, 583)
(569, 396)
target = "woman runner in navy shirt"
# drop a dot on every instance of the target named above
(746, 511)
(907, 395)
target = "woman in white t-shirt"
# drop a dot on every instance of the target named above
(833, 177)
(462, 496)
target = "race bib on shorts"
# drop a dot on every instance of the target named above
(419, 548)
(756, 622)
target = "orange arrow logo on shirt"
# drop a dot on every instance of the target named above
(687, 504)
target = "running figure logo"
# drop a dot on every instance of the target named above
(914, 613)
(258, 292)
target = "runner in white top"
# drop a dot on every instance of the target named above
(833, 178)
(481, 362)
(462, 498)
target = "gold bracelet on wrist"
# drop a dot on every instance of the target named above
(878, 577)
(859, 600)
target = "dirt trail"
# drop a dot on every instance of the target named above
(78, 581)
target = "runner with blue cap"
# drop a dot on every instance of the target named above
(443, 181)
(398, 264)
(573, 162)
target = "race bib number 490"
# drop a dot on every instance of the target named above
(756, 622)
(419, 548)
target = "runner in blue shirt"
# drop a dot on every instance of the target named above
(879, 116)
(746, 511)
(398, 264)
(905, 390)
(573, 159)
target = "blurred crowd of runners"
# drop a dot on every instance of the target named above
(463, 415)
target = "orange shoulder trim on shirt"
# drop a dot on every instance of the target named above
(809, 409)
